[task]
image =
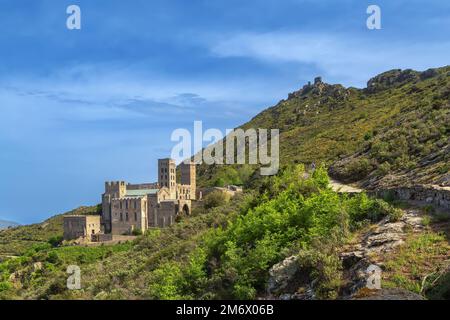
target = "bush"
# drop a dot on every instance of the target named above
(56, 241)
(361, 208)
(52, 257)
(216, 199)
(384, 168)
(395, 214)
(355, 169)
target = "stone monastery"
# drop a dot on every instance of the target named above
(130, 208)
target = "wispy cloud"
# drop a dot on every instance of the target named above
(351, 59)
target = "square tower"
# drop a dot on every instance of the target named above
(115, 189)
(188, 177)
(167, 175)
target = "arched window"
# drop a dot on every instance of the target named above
(121, 216)
(135, 216)
(126, 216)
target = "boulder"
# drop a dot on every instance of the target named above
(282, 274)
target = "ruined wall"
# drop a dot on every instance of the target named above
(426, 194)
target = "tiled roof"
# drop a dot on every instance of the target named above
(140, 192)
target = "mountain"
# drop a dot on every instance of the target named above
(289, 235)
(394, 131)
(7, 224)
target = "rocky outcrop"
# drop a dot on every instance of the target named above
(321, 89)
(281, 275)
(285, 280)
(391, 78)
(385, 237)
(289, 281)
(397, 77)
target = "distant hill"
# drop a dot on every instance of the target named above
(394, 131)
(16, 241)
(7, 224)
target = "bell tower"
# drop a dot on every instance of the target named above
(188, 177)
(167, 175)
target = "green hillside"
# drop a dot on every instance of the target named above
(394, 131)
(398, 127)
(16, 241)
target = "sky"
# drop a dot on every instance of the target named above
(80, 107)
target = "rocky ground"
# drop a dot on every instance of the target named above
(369, 250)
(359, 259)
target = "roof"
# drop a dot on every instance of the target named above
(140, 192)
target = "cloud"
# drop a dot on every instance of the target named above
(352, 60)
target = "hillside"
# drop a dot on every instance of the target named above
(228, 250)
(395, 131)
(16, 241)
(392, 132)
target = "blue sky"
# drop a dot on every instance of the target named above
(81, 107)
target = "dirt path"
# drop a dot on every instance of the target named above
(343, 188)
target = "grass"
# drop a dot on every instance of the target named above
(422, 255)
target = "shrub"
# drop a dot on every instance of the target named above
(361, 208)
(166, 282)
(56, 241)
(52, 257)
(395, 214)
(356, 169)
(216, 199)
(324, 266)
(384, 168)
(320, 176)
(426, 221)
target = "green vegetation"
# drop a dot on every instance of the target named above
(225, 252)
(215, 199)
(18, 240)
(398, 127)
(421, 265)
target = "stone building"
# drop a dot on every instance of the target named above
(81, 227)
(137, 207)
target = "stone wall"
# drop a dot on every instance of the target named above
(128, 214)
(426, 194)
(167, 212)
(230, 190)
(81, 227)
